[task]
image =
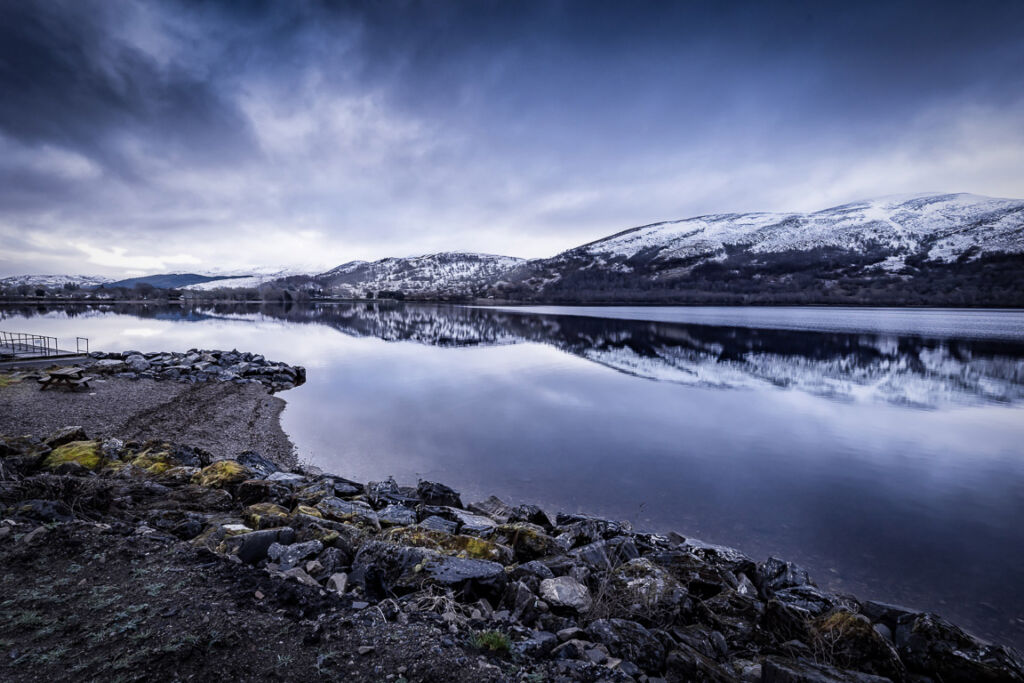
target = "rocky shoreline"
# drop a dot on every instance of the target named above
(313, 575)
(198, 365)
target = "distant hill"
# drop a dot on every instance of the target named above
(83, 281)
(445, 274)
(170, 280)
(925, 249)
(946, 249)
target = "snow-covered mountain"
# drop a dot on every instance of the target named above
(906, 249)
(84, 281)
(943, 227)
(444, 274)
(246, 278)
(940, 249)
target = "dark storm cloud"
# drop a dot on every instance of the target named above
(375, 128)
(69, 80)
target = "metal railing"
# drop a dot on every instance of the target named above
(22, 344)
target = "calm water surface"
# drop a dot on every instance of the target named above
(883, 449)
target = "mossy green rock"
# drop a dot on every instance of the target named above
(84, 453)
(451, 544)
(154, 462)
(223, 474)
(265, 516)
(528, 541)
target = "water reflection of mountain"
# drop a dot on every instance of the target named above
(860, 367)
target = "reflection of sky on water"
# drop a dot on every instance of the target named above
(877, 497)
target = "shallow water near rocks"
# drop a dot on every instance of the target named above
(883, 449)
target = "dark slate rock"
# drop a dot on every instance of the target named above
(42, 510)
(433, 493)
(809, 598)
(687, 664)
(288, 556)
(264, 491)
(539, 644)
(776, 670)
(436, 523)
(533, 568)
(258, 464)
(607, 554)
(630, 641)
(888, 614)
(254, 546)
(775, 574)
(494, 508)
(66, 435)
(939, 649)
(396, 515)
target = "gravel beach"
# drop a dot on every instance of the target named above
(221, 417)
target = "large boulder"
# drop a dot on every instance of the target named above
(630, 641)
(383, 568)
(775, 574)
(253, 546)
(433, 493)
(78, 454)
(261, 466)
(644, 588)
(288, 556)
(66, 435)
(566, 593)
(934, 647)
(777, 670)
(528, 541)
(461, 545)
(223, 474)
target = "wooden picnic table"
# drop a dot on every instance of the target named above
(72, 378)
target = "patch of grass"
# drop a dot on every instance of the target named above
(494, 641)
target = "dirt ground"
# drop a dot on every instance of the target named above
(85, 602)
(220, 417)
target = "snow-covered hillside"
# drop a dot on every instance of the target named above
(945, 226)
(247, 278)
(447, 273)
(54, 280)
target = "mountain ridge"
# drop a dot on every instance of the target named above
(921, 248)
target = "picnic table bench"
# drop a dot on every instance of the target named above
(72, 378)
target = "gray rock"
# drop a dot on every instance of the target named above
(776, 670)
(348, 510)
(571, 633)
(630, 641)
(476, 525)
(396, 515)
(775, 574)
(538, 644)
(433, 493)
(66, 435)
(287, 478)
(606, 554)
(338, 582)
(263, 467)
(567, 593)
(253, 546)
(302, 577)
(931, 645)
(137, 363)
(288, 556)
(436, 523)
(887, 613)
(494, 508)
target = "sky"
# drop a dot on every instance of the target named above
(180, 136)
